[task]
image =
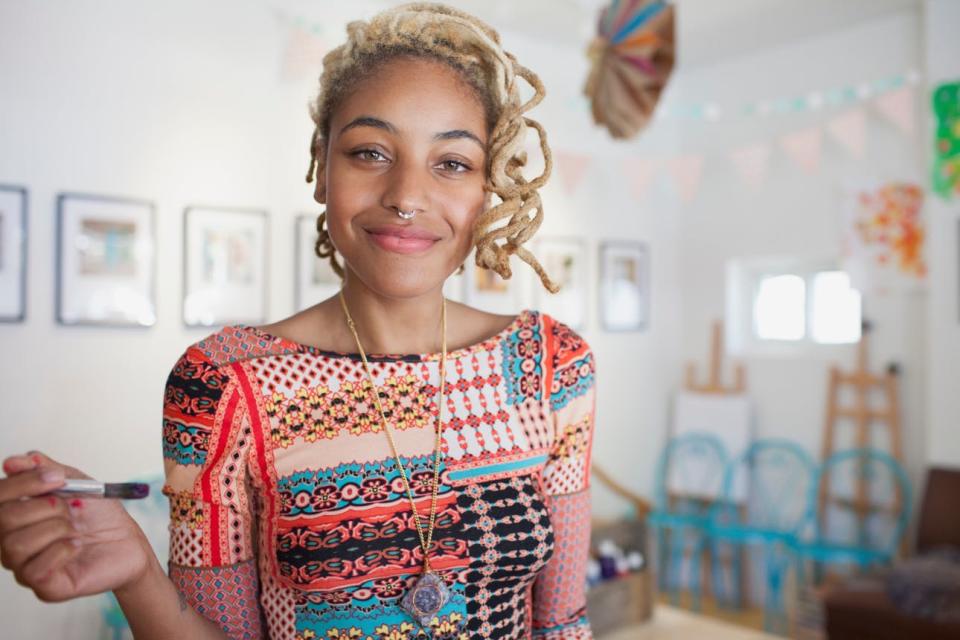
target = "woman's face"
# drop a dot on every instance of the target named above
(411, 137)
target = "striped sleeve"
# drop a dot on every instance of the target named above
(206, 438)
(560, 603)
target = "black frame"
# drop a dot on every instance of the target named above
(62, 197)
(266, 263)
(644, 284)
(24, 242)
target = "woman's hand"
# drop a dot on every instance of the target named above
(63, 548)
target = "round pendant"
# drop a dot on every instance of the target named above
(426, 598)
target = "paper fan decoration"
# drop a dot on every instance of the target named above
(632, 58)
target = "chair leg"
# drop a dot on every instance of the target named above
(696, 571)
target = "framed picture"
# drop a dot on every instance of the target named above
(106, 254)
(624, 285)
(315, 279)
(225, 266)
(13, 254)
(565, 261)
(486, 290)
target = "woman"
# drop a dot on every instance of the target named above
(384, 464)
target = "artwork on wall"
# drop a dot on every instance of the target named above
(225, 266)
(624, 285)
(565, 261)
(946, 161)
(13, 254)
(315, 278)
(884, 235)
(486, 290)
(105, 261)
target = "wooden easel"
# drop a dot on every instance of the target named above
(714, 385)
(863, 416)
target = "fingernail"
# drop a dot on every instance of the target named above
(76, 542)
(52, 475)
(52, 500)
(76, 503)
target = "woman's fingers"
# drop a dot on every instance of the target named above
(18, 464)
(20, 545)
(41, 573)
(31, 483)
(21, 513)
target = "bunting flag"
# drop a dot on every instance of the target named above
(897, 107)
(686, 171)
(752, 162)
(850, 130)
(804, 147)
(571, 167)
(640, 173)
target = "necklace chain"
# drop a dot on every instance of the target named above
(425, 541)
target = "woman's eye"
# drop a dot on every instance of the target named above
(369, 154)
(454, 165)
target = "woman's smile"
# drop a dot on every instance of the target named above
(402, 239)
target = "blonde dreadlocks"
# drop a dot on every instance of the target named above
(473, 49)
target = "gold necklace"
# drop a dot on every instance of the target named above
(429, 593)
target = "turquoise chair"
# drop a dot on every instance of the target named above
(688, 480)
(885, 521)
(763, 505)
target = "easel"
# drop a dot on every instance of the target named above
(714, 385)
(863, 416)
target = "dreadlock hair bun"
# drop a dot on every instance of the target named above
(472, 48)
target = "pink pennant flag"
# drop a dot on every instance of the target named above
(303, 55)
(686, 172)
(639, 173)
(571, 167)
(897, 107)
(850, 130)
(752, 162)
(804, 147)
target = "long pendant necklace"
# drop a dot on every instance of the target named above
(429, 593)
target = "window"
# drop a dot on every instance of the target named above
(777, 306)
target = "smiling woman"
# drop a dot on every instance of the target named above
(356, 471)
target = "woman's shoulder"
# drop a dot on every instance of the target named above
(234, 343)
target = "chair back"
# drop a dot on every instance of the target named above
(690, 472)
(777, 477)
(875, 519)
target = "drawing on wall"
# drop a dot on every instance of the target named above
(106, 261)
(946, 159)
(13, 253)
(565, 261)
(624, 285)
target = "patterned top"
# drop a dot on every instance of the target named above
(288, 516)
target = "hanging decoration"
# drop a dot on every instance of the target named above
(946, 161)
(632, 58)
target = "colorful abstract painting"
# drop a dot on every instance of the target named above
(946, 160)
(884, 236)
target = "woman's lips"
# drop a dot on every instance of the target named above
(397, 244)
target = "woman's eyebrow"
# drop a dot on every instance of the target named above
(458, 133)
(369, 121)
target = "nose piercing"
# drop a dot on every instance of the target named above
(406, 215)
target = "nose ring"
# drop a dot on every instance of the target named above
(406, 215)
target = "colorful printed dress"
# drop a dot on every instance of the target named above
(289, 519)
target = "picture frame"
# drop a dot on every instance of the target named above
(487, 291)
(314, 278)
(106, 261)
(624, 285)
(224, 266)
(13, 253)
(565, 261)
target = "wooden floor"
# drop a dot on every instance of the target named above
(670, 623)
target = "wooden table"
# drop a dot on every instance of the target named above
(670, 623)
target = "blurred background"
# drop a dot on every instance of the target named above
(759, 239)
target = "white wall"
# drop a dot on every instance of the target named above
(943, 441)
(182, 103)
(797, 215)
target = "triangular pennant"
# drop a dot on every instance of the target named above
(804, 147)
(850, 130)
(639, 173)
(897, 107)
(571, 167)
(752, 162)
(686, 172)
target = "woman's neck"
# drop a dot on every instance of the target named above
(394, 325)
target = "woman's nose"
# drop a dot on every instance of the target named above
(406, 188)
